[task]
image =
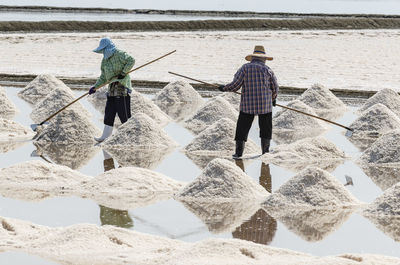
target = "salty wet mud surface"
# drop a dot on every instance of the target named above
(337, 232)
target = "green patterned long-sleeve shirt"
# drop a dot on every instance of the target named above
(119, 62)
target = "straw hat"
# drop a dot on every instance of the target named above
(258, 52)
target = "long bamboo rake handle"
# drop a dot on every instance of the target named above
(276, 104)
(69, 104)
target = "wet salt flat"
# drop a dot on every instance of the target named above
(345, 232)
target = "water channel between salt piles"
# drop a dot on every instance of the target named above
(172, 219)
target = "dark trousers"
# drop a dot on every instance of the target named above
(117, 105)
(244, 122)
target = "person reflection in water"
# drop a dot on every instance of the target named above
(261, 227)
(109, 216)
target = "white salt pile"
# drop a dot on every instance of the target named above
(390, 225)
(291, 120)
(88, 244)
(130, 187)
(309, 151)
(384, 177)
(232, 98)
(323, 101)
(312, 187)
(7, 108)
(385, 150)
(218, 138)
(141, 104)
(36, 180)
(8, 146)
(99, 99)
(376, 120)
(40, 87)
(215, 109)
(387, 97)
(68, 127)
(11, 130)
(140, 131)
(178, 99)
(54, 101)
(222, 180)
(386, 204)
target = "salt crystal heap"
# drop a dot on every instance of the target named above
(178, 99)
(323, 101)
(54, 101)
(223, 180)
(139, 103)
(384, 150)
(11, 130)
(387, 97)
(232, 98)
(312, 187)
(68, 127)
(218, 139)
(139, 131)
(215, 109)
(7, 108)
(40, 87)
(388, 204)
(130, 187)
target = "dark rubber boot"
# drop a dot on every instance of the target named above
(265, 145)
(239, 150)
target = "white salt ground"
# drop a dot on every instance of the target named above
(178, 99)
(40, 87)
(68, 127)
(218, 139)
(323, 101)
(215, 109)
(223, 180)
(12, 130)
(385, 150)
(388, 204)
(312, 187)
(387, 97)
(7, 107)
(86, 244)
(130, 187)
(54, 101)
(140, 131)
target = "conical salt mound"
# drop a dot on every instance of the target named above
(40, 87)
(383, 177)
(292, 120)
(312, 187)
(222, 180)
(139, 103)
(68, 127)
(375, 120)
(390, 225)
(178, 99)
(232, 98)
(387, 97)
(219, 139)
(54, 101)
(386, 204)
(385, 150)
(11, 130)
(323, 101)
(139, 130)
(215, 109)
(7, 108)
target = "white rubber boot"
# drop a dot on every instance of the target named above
(106, 133)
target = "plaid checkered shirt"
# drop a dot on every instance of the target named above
(258, 84)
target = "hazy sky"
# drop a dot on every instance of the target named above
(303, 6)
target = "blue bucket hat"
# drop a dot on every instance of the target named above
(107, 47)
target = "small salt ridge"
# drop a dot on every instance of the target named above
(388, 204)
(139, 130)
(11, 130)
(215, 109)
(40, 87)
(7, 108)
(387, 97)
(312, 187)
(223, 180)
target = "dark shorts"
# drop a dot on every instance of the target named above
(245, 121)
(117, 105)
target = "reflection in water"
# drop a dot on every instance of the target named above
(291, 136)
(261, 227)
(109, 216)
(383, 177)
(388, 225)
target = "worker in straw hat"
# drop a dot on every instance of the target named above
(259, 92)
(114, 67)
